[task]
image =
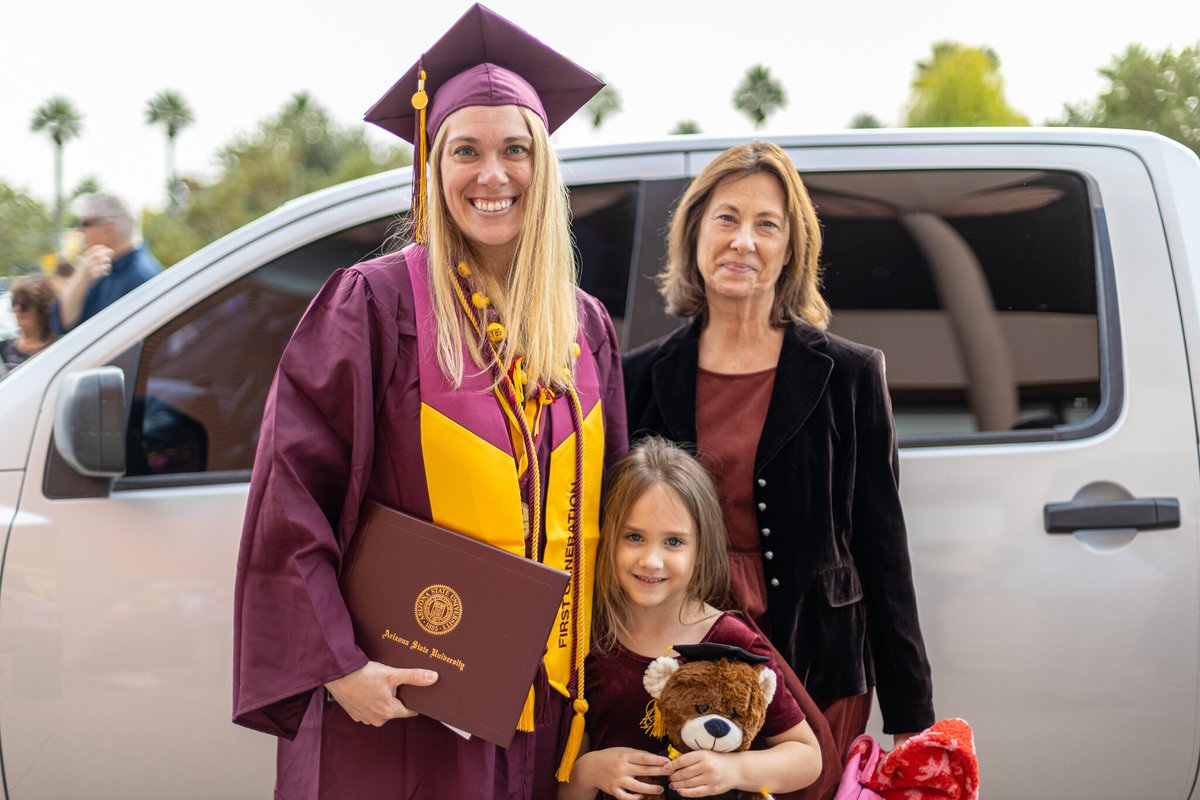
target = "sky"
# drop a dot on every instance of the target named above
(238, 61)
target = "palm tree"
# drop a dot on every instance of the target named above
(58, 117)
(759, 95)
(607, 101)
(865, 119)
(169, 109)
(89, 184)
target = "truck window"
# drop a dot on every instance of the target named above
(203, 378)
(979, 286)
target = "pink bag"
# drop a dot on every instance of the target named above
(861, 764)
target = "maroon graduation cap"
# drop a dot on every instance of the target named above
(483, 60)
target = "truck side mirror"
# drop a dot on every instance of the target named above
(89, 422)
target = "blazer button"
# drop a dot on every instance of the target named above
(774, 582)
(762, 506)
(768, 555)
(766, 531)
(762, 482)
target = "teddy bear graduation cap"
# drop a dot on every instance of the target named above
(483, 60)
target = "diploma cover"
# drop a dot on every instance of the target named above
(422, 596)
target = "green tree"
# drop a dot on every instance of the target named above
(169, 109)
(604, 104)
(26, 231)
(685, 126)
(1148, 91)
(960, 85)
(295, 151)
(865, 119)
(759, 95)
(59, 118)
(88, 184)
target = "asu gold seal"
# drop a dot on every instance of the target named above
(438, 609)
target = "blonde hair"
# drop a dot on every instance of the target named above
(798, 292)
(656, 462)
(536, 303)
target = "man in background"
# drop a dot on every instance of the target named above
(113, 263)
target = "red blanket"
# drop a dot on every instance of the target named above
(937, 763)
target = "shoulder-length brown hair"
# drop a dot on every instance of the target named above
(656, 461)
(798, 292)
(37, 291)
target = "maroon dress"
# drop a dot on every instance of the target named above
(618, 700)
(341, 423)
(730, 412)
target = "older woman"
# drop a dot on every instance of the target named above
(467, 364)
(32, 297)
(796, 425)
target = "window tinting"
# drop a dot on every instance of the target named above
(203, 378)
(603, 222)
(979, 286)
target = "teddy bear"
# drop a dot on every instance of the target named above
(715, 700)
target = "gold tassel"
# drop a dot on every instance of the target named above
(525, 721)
(652, 723)
(574, 741)
(420, 101)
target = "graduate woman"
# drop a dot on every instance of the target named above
(424, 380)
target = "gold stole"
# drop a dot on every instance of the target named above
(471, 458)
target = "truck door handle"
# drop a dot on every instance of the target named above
(1142, 513)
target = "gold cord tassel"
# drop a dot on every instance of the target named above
(652, 722)
(420, 101)
(525, 722)
(574, 741)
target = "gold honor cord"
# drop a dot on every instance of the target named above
(509, 394)
(578, 705)
(512, 397)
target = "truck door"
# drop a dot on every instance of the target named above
(1024, 300)
(116, 603)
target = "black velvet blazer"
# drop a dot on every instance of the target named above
(840, 597)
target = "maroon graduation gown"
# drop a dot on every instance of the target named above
(342, 422)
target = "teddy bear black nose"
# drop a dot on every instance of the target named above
(716, 728)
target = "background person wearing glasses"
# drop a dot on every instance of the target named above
(113, 263)
(32, 297)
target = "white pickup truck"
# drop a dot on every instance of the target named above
(1035, 292)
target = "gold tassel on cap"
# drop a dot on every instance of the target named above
(652, 723)
(420, 101)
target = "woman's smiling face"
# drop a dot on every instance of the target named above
(486, 168)
(743, 241)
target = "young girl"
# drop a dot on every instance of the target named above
(661, 577)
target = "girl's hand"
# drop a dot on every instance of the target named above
(702, 773)
(368, 694)
(617, 771)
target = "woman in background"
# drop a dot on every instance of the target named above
(32, 297)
